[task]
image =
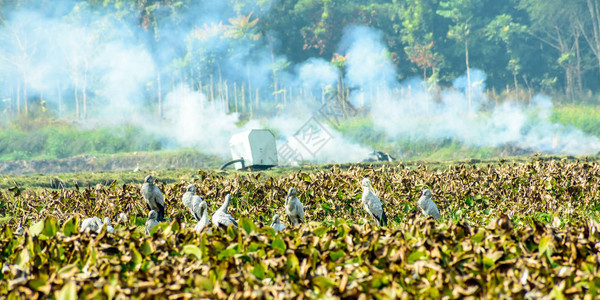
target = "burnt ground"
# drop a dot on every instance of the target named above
(115, 162)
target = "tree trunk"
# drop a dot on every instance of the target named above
(594, 42)
(84, 92)
(76, 98)
(159, 95)
(18, 97)
(25, 99)
(59, 100)
(468, 90)
(578, 67)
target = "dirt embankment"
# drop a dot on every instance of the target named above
(117, 162)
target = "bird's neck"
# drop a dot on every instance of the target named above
(225, 204)
(366, 191)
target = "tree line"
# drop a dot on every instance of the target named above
(524, 46)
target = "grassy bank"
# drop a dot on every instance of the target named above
(584, 117)
(44, 138)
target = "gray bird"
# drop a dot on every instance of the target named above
(195, 207)
(109, 227)
(153, 197)
(294, 208)
(91, 224)
(221, 218)
(152, 221)
(372, 203)
(427, 206)
(190, 192)
(202, 209)
(122, 218)
(276, 224)
(20, 230)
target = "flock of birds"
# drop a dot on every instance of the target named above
(294, 210)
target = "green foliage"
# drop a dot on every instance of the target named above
(584, 117)
(60, 141)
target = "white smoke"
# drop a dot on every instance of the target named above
(193, 122)
(414, 113)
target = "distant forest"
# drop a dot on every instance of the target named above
(64, 54)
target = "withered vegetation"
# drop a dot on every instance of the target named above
(507, 231)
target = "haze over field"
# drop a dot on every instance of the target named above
(76, 58)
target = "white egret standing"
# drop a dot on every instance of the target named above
(153, 197)
(221, 218)
(372, 203)
(152, 221)
(294, 208)
(109, 227)
(188, 199)
(91, 224)
(276, 224)
(202, 208)
(427, 206)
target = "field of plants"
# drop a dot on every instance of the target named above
(508, 230)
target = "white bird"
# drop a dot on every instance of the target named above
(153, 197)
(276, 224)
(152, 221)
(19, 230)
(204, 221)
(122, 218)
(427, 206)
(109, 227)
(294, 208)
(372, 203)
(188, 201)
(221, 217)
(91, 224)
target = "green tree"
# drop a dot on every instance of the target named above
(502, 29)
(417, 35)
(556, 24)
(460, 13)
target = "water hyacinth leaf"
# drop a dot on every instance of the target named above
(147, 248)
(319, 231)
(247, 224)
(228, 252)
(136, 258)
(92, 255)
(324, 283)
(205, 283)
(488, 262)
(416, 255)
(70, 226)
(259, 271)
(335, 255)
(68, 292)
(23, 258)
(478, 237)
(172, 228)
(68, 271)
(37, 228)
(192, 250)
(279, 245)
(41, 284)
(546, 246)
(50, 226)
(292, 262)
